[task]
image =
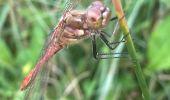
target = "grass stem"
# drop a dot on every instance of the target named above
(131, 49)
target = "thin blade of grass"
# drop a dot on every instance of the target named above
(131, 49)
(4, 13)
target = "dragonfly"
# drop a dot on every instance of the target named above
(73, 27)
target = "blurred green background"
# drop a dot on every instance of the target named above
(74, 73)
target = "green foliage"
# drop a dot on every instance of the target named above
(74, 73)
(158, 47)
(6, 56)
(4, 12)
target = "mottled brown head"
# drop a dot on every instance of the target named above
(97, 15)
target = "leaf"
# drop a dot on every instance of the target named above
(4, 13)
(30, 54)
(167, 2)
(37, 41)
(89, 88)
(5, 55)
(159, 47)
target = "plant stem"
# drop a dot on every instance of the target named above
(131, 49)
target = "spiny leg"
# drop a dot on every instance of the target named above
(111, 45)
(94, 49)
(97, 55)
(114, 18)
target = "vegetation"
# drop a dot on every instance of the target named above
(74, 73)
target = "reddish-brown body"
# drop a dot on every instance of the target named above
(73, 26)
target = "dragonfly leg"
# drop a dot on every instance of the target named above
(111, 45)
(94, 47)
(97, 55)
(114, 18)
(112, 55)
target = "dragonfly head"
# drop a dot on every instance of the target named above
(97, 15)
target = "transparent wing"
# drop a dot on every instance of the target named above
(71, 4)
(37, 87)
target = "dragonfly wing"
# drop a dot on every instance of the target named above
(70, 4)
(49, 51)
(50, 48)
(37, 78)
(37, 88)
